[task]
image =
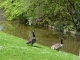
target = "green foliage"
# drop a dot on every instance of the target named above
(59, 26)
(29, 8)
(12, 9)
(53, 10)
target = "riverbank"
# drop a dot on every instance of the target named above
(44, 36)
(17, 29)
(72, 33)
(14, 48)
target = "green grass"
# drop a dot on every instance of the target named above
(14, 48)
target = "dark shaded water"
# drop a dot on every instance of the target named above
(44, 36)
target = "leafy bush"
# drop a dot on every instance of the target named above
(15, 8)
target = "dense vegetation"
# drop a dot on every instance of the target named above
(63, 14)
(14, 48)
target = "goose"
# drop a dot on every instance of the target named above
(33, 39)
(57, 46)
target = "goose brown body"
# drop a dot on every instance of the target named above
(32, 40)
(58, 45)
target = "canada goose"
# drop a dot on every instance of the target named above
(58, 45)
(33, 39)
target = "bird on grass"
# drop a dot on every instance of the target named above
(33, 39)
(57, 46)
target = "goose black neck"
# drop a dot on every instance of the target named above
(61, 41)
(33, 34)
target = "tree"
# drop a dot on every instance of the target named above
(66, 12)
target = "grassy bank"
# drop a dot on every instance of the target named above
(14, 48)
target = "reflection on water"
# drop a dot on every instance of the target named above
(44, 36)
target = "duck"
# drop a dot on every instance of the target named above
(57, 46)
(33, 39)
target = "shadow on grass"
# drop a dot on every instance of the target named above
(37, 46)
